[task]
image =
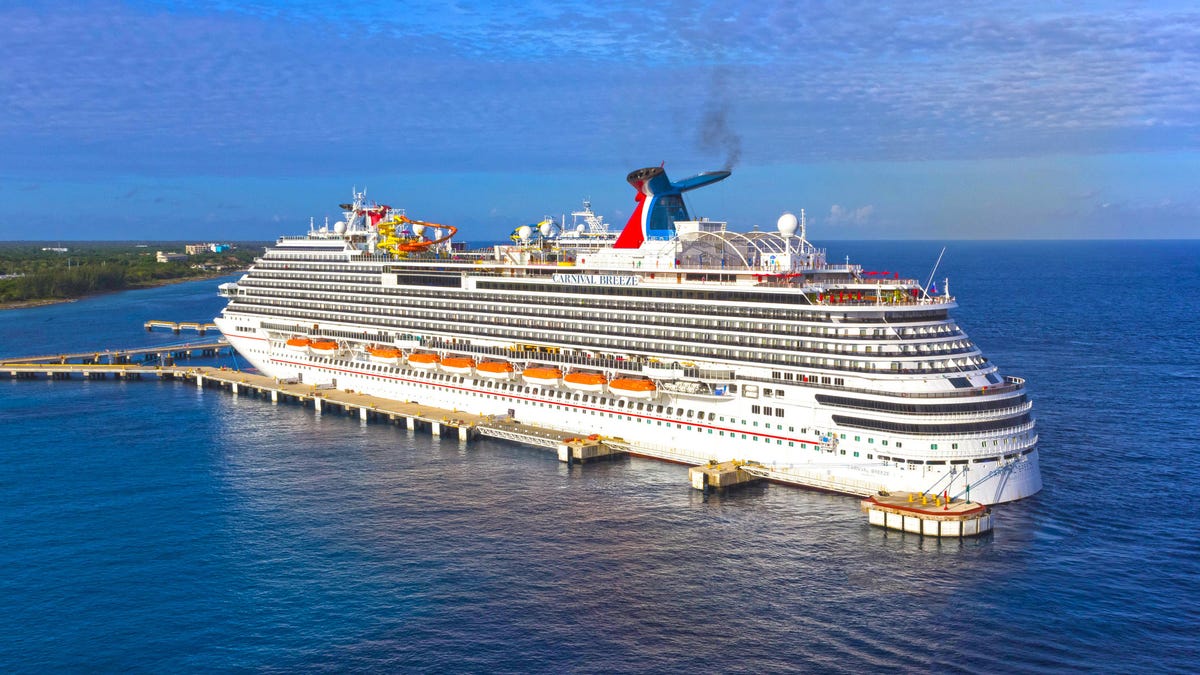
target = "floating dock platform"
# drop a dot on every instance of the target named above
(928, 515)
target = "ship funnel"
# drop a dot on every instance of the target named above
(659, 204)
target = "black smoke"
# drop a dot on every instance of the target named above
(716, 135)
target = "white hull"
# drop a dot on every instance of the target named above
(731, 435)
(631, 393)
(540, 381)
(491, 375)
(591, 388)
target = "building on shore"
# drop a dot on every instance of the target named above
(196, 249)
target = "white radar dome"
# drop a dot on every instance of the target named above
(787, 224)
(579, 228)
(524, 232)
(545, 227)
(340, 227)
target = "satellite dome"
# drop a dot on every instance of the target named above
(524, 232)
(580, 228)
(787, 224)
(340, 227)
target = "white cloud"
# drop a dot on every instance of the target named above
(854, 217)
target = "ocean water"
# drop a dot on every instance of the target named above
(154, 527)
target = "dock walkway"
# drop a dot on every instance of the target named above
(466, 425)
(123, 356)
(571, 448)
(177, 326)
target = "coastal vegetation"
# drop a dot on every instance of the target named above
(35, 271)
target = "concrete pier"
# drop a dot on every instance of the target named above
(927, 515)
(175, 327)
(166, 355)
(719, 476)
(590, 449)
(900, 512)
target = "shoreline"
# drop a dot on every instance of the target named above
(43, 302)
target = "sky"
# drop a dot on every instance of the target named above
(243, 119)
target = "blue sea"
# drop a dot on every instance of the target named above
(154, 527)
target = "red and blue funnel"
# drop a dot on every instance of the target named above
(659, 204)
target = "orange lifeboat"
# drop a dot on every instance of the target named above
(460, 365)
(423, 361)
(384, 355)
(494, 370)
(542, 376)
(633, 387)
(582, 381)
(298, 344)
(323, 347)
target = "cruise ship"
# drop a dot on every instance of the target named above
(688, 341)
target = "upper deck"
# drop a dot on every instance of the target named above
(662, 252)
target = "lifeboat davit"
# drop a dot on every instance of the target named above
(495, 370)
(423, 361)
(298, 344)
(459, 365)
(384, 355)
(585, 381)
(323, 347)
(542, 376)
(633, 387)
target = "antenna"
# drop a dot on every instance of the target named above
(925, 291)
